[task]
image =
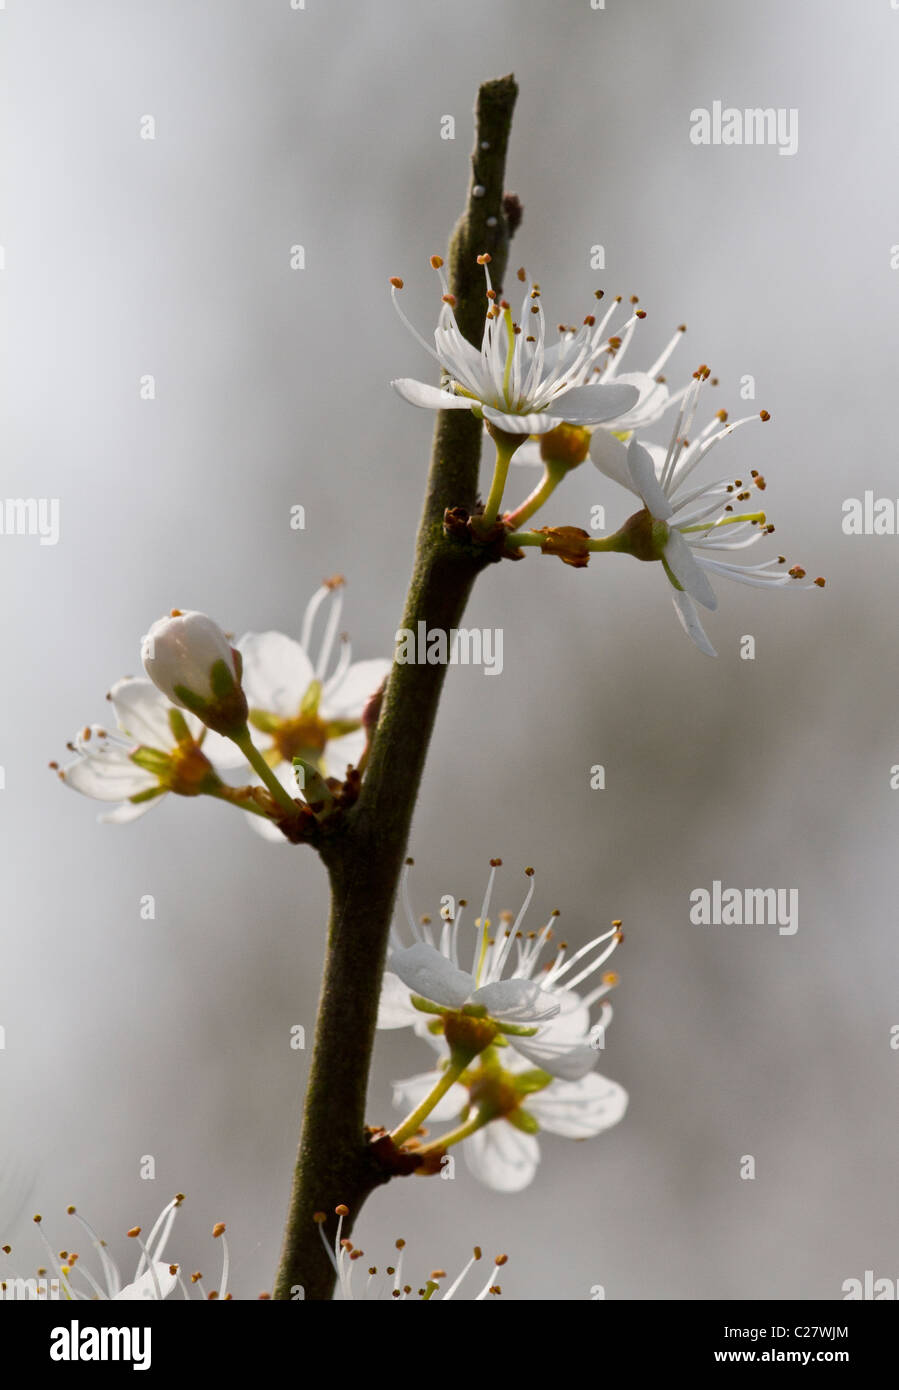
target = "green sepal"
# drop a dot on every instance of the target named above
(425, 1006)
(674, 583)
(149, 794)
(336, 728)
(178, 725)
(263, 721)
(523, 1121)
(195, 703)
(517, 1030)
(311, 698)
(526, 1082)
(221, 678)
(151, 760)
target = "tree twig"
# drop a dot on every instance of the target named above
(335, 1163)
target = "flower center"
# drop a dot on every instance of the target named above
(189, 769)
(494, 1090)
(467, 1033)
(302, 737)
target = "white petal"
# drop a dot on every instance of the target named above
(431, 975)
(610, 457)
(685, 609)
(645, 483)
(348, 699)
(579, 1109)
(572, 1021)
(682, 563)
(129, 811)
(651, 404)
(146, 1287)
(521, 424)
(344, 751)
(277, 672)
(395, 1008)
(411, 1092)
(142, 712)
(429, 397)
(502, 1157)
(108, 775)
(561, 1057)
(590, 405)
(222, 753)
(267, 829)
(529, 453)
(516, 1001)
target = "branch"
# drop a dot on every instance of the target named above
(336, 1163)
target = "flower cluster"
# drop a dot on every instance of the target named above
(295, 714)
(518, 1050)
(558, 404)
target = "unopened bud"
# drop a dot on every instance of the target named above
(192, 662)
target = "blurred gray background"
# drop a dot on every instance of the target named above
(127, 256)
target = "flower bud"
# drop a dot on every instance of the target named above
(566, 444)
(189, 658)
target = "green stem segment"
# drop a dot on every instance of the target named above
(506, 444)
(258, 763)
(478, 1120)
(553, 473)
(335, 1163)
(421, 1112)
(239, 797)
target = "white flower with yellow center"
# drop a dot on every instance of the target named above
(515, 382)
(500, 1106)
(303, 702)
(691, 530)
(157, 749)
(522, 1049)
(501, 995)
